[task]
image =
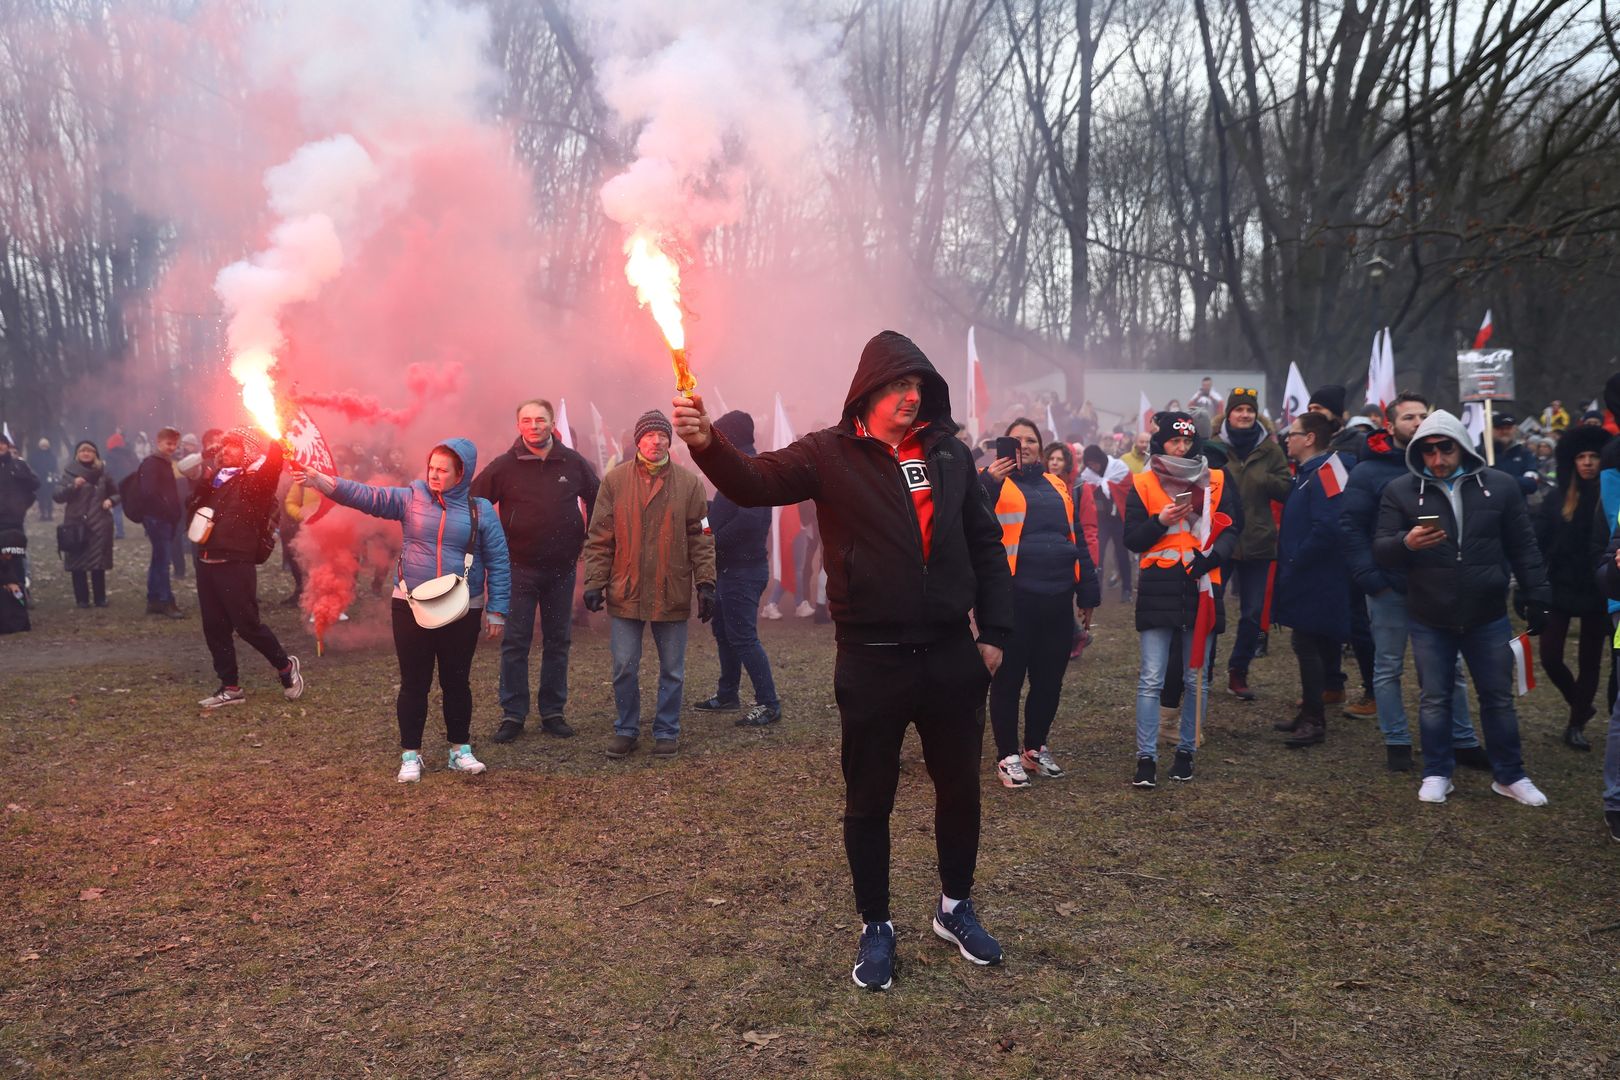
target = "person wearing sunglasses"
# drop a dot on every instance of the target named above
(1454, 526)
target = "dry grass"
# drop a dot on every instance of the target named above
(273, 904)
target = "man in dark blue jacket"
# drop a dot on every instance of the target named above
(1384, 459)
(160, 508)
(538, 487)
(741, 569)
(1512, 456)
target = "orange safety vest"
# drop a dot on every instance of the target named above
(1010, 507)
(1179, 542)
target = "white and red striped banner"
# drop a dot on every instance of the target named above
(1485, 329)
(1524, 665)
(1334, 476)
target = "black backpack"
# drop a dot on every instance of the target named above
(129, 496)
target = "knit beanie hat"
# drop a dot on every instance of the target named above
(1171, 425)
(1242, 397)
(653, 420)
(1330, 397)
(252, 442)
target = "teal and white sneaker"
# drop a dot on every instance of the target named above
(462, 760)
(410, 767)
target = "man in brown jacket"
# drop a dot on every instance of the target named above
(645, 548)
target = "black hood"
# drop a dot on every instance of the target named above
(738, 428)
(1577, 441)
(889, 356)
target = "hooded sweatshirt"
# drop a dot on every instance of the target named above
(739, 532)
(883, 584)
(437, 530)
(1463, 582)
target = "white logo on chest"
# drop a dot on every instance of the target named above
(915, 474)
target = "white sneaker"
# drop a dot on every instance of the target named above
(1042, 763)
(223, 696)
(1011, 771)
(805, 609)
(1522, 791)
(770, 611)
(1436, 788)
(292, 683)
(410, 767)
(462, 760)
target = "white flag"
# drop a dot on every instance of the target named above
(975, 390)
(781, 436)
(720, 400)
(603, 442)
(1295, 396)
(561, 425)
(1381, 370)
(1145, 411)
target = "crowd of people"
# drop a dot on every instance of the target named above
(961, 579)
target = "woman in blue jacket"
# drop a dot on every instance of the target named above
(1313, 578)
(439, 522)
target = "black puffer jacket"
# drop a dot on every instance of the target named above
(19, 488)
(1572, 547)
(1167, 596)
(879, 588)
(1459, 585)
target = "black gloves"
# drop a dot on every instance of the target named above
(705, 601)
(1535, 618)
(1201, 564)
(595, 600)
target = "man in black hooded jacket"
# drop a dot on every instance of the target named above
(912, 546)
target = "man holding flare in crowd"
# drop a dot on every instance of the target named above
(912, 548)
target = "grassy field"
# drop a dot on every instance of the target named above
(249, 892)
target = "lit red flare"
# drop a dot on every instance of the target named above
(656, 278)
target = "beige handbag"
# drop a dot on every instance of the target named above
(442, 600)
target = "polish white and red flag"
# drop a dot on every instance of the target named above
(1524, 668)
(1145, 408)
(1334, 476)
(978, 394)
(785, 523)
(1484, 334)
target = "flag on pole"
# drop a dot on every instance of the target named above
(603, 442)
(1145, 409)
(784, 519)
(1473, 418)
(978, 401)
(561, 427)
(1334, 476)
(1295, 395)
(1484, 334)
(1381, 371)
(5, 429)
(310, 449)
(1051, 422)
(1524, 668)
(720, 400)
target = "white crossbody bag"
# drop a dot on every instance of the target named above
(442, 600)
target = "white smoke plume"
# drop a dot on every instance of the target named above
(725, 94)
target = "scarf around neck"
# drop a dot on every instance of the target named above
(1242, 440)
(653, 467)
(1178, 474)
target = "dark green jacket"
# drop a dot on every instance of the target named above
(1259, 478)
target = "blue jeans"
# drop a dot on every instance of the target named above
(1247, 578)
(161, 534)
(1485, 650)
(551, 589)
(625, 645)
(1150, 680)
(736, 634)
(1387, 612)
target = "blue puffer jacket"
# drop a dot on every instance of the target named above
(1381, 462)
(1313, 581)
(421, 512)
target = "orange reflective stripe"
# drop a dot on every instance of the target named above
(1180, 543)
(1010, 509)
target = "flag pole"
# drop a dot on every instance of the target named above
(1490, 437)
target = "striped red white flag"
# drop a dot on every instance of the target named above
(1524, 667)
(1484, 334)
(1334, 476)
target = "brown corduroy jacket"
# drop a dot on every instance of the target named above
(646, 548)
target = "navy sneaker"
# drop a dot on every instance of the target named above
(962, 928)
(874, 964)
(718, 704)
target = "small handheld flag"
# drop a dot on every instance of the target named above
(1524, 668)
(1484, 334)
(1334, 476)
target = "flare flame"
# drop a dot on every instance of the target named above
(657, 280)
(252, 370)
